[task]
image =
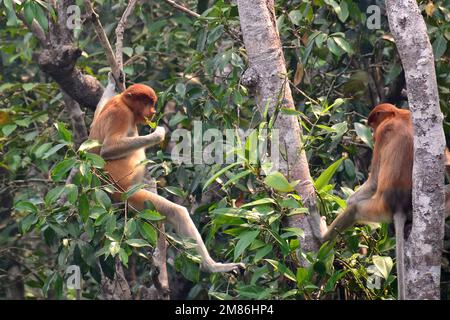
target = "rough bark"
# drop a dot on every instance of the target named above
(424, 246)
(58, 56)
(59, 63)
(266, 73)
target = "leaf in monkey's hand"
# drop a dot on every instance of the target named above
(151, 124)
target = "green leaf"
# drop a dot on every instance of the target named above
(180, 88)
(89, 144)
(12, 18)
(25, 206)
(132, 190)
(148, 232)
(364, 134)
(259, 202)
(128, 51)
(281, 268)
(83, 207)
(215, 34)
(53, 195)
(342, 12)
(333, 47)
(245, 240)
(41, 17)
(53, 150)
(48, 282)
(277, 181)
(151, 215)
(65, 134)
(62, 168)
(29, 86)
(439, 46)
(123, 256)
(261, 253)
(27, 222)
(42, 149)
(8, 129)
(218, 174)
(71, 191)
(176, 191)
(296, 231)
(326, 176)
(138, 243)
(303, 276)
(337, 275)
(95, 160)
(236, 177)
(296, 17)
(341, 42)
(103, 198)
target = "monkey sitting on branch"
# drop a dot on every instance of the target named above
(115, 127)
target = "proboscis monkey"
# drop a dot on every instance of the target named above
(115, 126)
(386, 195)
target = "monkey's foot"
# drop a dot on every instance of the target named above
(221, 267)
(323, 226)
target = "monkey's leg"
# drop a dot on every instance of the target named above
(179, 218)
(343, 221)
(368, 210)
(399, 223)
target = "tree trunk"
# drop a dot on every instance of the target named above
(267, 75)
(423, 248)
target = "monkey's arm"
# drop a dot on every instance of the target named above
(119, 146)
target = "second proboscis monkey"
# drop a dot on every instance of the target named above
(386, 195)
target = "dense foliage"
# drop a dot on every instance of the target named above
(338, 70)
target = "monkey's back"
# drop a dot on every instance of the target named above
(396, 158)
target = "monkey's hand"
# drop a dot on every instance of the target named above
(212, 266)
(323, 226)
(160, 132)
(155, 137)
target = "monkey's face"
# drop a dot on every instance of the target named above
(141, 99)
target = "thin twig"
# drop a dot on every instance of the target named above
(182, 8)
(105, 42)
(119, 32)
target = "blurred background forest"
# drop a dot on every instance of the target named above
(338, 70)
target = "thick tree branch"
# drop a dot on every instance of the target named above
(59, 62)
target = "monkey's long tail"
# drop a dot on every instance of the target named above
(399, 224)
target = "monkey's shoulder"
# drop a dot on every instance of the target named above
(396, 128)
(116, 112)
